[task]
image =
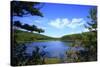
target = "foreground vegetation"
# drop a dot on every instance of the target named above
(88, 40)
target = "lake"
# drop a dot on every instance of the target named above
(53, 49)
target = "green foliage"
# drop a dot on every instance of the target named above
(34, 28)
(88, 40)
(19, 57)
(18, 24)
(72, 56)
(28, 27)
(21, 8)
(39, 30)
(92, 23)
(35, 58)
(72, 37)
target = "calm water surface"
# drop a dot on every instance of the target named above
(54, 49)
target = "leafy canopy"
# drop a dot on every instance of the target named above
(21, 8)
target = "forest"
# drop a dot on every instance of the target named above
(25, 33)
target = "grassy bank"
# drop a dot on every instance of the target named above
(52, 60)
(22, 37)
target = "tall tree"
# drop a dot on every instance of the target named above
(90, 39)
(20, 9)
(92, 23)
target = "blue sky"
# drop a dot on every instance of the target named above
(59, 19)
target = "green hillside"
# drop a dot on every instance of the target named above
(22, 36)
(71, 37)
(79, 36)
(86, 38)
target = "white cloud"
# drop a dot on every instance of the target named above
(76, 22)
(65, 22)
(59, 23)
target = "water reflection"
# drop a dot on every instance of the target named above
(54, 49)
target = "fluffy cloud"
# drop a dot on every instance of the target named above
(76, 22)
(59, 23)
(65, 22)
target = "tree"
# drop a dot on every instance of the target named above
(21, 8)
(38, 56)
(34, 28)
(89, 40)
(18, 24)
(26, 26)
(39, 30)
(92, 23)
(19, 56)
(92, 26)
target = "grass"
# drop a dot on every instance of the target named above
(52, 60)
(22, 37)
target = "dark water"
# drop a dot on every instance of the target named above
(54, 49)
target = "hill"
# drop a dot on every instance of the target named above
(79, 36)
(23, 36)
(71, 37)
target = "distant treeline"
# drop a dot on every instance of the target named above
(71, 37)
(79, 36)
